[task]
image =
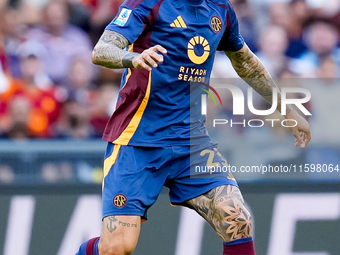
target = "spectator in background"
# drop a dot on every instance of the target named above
(299, 14)
(328, 69)
(325, 119)
(3, 4)
(103, 104)
(100, 101)
(101, 13)
(15, 124)
(246, 22)
(273, 45)
(38, 107)
(325, 102)
(335, 18)
(78, 84)
(322, 39)
(34, 71)
(278, 12)
(326, 8)
(79, 15)
(292, 16)
(13, 32)
(3, 60)
(62, 41)
(4, 81)
(74, 122)
(286, 73)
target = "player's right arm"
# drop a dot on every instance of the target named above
(110, 52)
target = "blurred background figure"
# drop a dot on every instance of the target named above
(15, 124)
(273, 44)
(103, 104)
(13, 31)
(32, 69)
(79, 84)
(325, 119)
(292, 17)
(73, 122)
(247, 22)
(101, 13)
(299, 12)
(322, 39)
(325, 104)
(32, 97)
(62, 41)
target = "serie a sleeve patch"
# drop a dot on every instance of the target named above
(123, 17)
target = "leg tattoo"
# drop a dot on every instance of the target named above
(223, 207)
(111, 226)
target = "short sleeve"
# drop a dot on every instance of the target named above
(131, 19)
(231, 40)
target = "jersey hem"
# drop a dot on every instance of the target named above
(161, 143)
(126, 213)
(206, 189)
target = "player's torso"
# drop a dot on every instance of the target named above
(191, 34)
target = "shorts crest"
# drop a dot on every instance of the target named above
(119, 200)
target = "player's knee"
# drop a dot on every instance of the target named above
(115, 248)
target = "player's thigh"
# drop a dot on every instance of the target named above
(119, 235)
(223, 207)
(133, 179)
(190, 175)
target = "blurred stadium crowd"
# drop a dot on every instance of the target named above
(50, 89)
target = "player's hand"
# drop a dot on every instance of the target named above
(301, 131)
(149, 58)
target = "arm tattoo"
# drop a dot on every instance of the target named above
(223, 207)
(109, 51)
(250, 68)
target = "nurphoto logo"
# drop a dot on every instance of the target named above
(239, 105)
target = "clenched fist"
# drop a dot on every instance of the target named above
(149, 58)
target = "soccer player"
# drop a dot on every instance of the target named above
(153, 139)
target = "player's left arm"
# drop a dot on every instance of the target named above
(250, 68)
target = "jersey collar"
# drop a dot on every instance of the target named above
(193, 2)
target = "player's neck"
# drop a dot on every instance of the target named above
(193, 2)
